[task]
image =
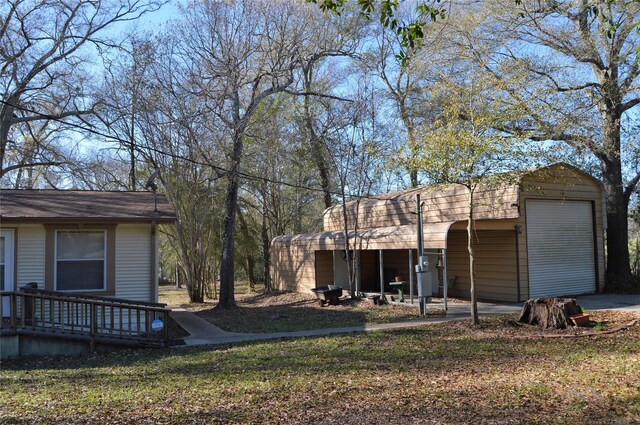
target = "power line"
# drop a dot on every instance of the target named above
(181, 157)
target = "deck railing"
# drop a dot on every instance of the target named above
(98, 319)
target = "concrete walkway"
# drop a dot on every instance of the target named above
(204, 333)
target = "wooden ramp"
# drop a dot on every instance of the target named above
(97, 320)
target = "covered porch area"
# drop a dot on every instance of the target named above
(378, 255)
(382, 271)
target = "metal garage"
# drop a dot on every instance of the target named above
(541, 233)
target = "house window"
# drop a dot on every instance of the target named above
(80, 260)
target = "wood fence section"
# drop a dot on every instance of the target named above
(96, 319)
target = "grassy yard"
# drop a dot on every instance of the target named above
(281, 312)
(448, 373)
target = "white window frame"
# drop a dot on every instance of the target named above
(104, 260)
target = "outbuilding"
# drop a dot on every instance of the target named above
(539, 233)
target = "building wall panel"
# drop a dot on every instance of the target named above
(133, 262)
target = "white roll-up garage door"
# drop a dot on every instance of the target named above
(560, 248)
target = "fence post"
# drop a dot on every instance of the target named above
(13, 311)
(94, 327)
(166, 328)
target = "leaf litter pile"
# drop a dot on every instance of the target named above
(452, 373)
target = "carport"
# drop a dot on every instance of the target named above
(540, 235)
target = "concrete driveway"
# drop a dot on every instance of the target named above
(610, 302)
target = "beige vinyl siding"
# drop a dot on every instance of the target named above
(495, 264)
(30, 256)
(133, 262)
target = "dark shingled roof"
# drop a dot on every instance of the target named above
(83, 205)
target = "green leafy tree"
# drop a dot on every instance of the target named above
(464, 149)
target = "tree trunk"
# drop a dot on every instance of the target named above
(227, 278)
(6, 121)
(317, 145)
(347, 245)
(618, 265)
(250, 274)
(550, 313)
(132, 147)
(266, 255)
(471, 249)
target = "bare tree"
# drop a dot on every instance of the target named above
(44, 66)
(328, 39)
(355, 156)
(573, 67)
(241, 52)
(125, 96)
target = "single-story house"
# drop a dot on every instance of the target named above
(539, 233)
(82, 242)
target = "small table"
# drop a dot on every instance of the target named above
(400, 287)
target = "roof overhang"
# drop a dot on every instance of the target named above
(77, 206)
(394, 237)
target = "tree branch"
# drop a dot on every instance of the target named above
(312, 93)
(630, 187)
(34, 164)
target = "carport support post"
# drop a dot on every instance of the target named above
(445, 281)
(411, 276)
(381, 274)
(357, 266)
(420, 266)
(335, 258)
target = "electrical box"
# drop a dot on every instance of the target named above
(427, 274)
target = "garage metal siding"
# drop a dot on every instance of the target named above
(560, 246)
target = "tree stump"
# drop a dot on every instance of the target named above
(549, 312)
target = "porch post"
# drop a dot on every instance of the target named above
(357, 266)
(445, 282)
(335, 253)
(381, 274)
(411, 276)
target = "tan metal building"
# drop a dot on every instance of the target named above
(538, 234)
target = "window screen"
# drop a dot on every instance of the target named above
(80, 260)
